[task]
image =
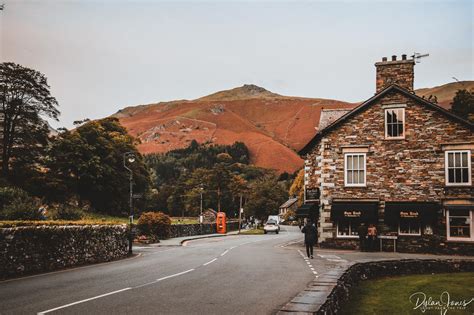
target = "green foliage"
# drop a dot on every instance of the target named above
(88, 163)
(220, 173)
(266, 196)
(16, 204)
(155, 224)
(67, 212)
(24, 99)
(463, 104)
(13, 223)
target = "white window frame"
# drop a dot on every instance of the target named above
(469, 168)
(386, 123)
(461, 239)
(346, 170)
(410, 234)
(344, 236)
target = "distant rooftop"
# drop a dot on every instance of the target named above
(330, 115)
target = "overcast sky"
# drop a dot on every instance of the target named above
(100, 56)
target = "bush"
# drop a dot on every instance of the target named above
(67, 212)
(16, 204)
(154, 224)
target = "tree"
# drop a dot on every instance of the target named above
(297, 187)
(266, 196)
(24, 98)
(463, 104)
(88, 161)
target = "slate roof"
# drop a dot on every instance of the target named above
(289, 203)
(307, 148)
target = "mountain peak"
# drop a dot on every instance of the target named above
(246, 91)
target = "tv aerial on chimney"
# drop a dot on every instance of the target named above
(417, 56)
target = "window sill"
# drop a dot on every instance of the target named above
(389, 139)
(470, 240)
(355, 186)
(402, 234)
(347, 237)
(458, 185)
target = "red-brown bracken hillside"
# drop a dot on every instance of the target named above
(273, 126)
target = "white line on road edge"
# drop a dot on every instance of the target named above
(82, 301)
(210, 262)
(225, 252)
(175, 275)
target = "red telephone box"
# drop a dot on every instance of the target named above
(221, 223)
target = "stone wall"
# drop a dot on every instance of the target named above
(180, 230)
(33, 249)
(409, 169)
(356, 273)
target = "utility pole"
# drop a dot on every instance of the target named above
(240, 213)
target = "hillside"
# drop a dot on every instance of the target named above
(273, 126)
(445, 93)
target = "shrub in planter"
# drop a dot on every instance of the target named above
(154, 224)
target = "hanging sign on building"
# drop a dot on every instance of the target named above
(409, 214)
(352, 214)
(312, 193)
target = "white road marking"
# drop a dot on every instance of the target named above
(175, 275)
(210, 262)
(224, 252)
(82, 301)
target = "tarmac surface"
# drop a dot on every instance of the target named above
(234, 274)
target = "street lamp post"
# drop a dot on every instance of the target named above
(240, 213)
(130, 158)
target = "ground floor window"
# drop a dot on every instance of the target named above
(460, 224)
(347, 228)
(409, 227)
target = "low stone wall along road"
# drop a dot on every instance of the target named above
(244, 274)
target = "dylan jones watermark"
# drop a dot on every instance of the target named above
(443, 303)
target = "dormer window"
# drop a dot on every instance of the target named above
(395, 123)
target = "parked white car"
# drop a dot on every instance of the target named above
(271, 226)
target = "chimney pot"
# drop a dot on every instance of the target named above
(404, 57)
(384, 59)
(394, 58)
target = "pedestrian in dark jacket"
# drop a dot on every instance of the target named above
(310, 237)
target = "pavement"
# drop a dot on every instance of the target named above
(236, 274)
(178, 241)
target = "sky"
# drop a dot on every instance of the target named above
(101, 56)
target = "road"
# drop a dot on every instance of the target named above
(241, 274)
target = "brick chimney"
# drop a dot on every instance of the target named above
(399, 72)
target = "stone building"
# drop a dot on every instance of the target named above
(396, 161)
(290, 204)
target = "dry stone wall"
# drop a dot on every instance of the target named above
(33, 249)
(180, 230)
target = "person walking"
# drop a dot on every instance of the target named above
(310, 237)
(372, 234)
(362, 231)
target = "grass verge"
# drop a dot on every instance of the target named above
(392, 295)
(252, 232)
